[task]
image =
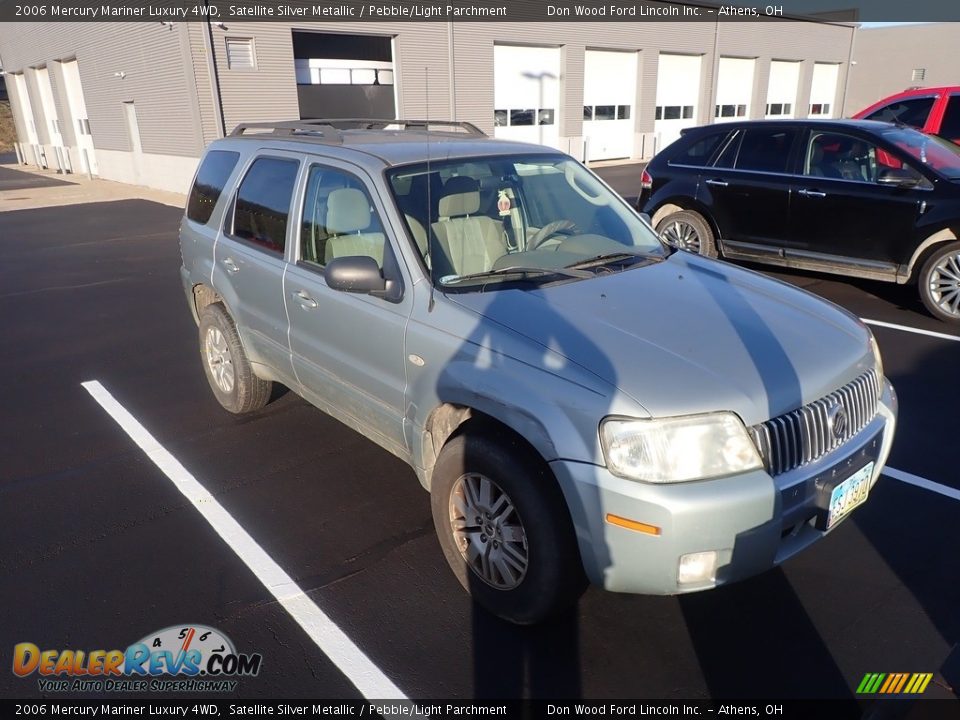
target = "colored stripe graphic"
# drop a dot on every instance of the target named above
(894, 683)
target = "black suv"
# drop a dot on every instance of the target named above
(852, 197)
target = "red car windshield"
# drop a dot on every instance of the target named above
(934, 152)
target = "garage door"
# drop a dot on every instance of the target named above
(734, 89)
(782, 90)
(823, 91)
(526, 93)
(678, 88)
(609, 94)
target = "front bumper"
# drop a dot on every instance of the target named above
(753, 521)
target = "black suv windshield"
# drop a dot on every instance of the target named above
(486, 216)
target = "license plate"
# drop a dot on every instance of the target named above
(848, 494)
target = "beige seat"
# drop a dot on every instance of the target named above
(470, 242)
(348, 215)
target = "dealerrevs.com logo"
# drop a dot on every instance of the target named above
(179, 658)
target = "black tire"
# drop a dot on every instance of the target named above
(553, 579)
(687, 221)
(247, 392)
(939, 288)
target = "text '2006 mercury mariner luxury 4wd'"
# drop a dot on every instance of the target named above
(582, 401)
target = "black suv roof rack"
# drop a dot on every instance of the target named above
(330, 129)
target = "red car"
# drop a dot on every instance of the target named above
(934, 110)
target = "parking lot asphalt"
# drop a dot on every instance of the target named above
(98, 548)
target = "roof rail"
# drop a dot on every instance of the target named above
(330, 128)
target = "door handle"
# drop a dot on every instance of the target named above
(718, 183)
(811, 193)
(305, 300)
(230, 265)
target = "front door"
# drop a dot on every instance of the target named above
(348, 349)
(839, 208)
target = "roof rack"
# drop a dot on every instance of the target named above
(330, 129)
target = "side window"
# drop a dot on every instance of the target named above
(913, 112)
(263, 203)
(765, 149)
(207, 188)
(950, 127)
(700, 152)
(842, 157)
(728, 155)
(339, 219)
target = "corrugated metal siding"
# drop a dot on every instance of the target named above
(202, 82)
(270, 91)
(886, 57)
(156, 81)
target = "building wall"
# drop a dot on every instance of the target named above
(442, 71)
(158, 77)
(886, 57)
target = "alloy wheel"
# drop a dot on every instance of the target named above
(219, 359)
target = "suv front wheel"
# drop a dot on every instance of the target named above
(225, 363)
(504, 528)
(939, 283)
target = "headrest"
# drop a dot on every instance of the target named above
(461, 196)
(348, 210)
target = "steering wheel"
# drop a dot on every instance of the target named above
(549, 230)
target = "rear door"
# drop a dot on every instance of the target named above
(347, 348)
(840, 209)
(249, 257)
(748, 188)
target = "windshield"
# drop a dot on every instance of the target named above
(495, 219)
(932, 151)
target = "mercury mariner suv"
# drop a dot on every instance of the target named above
(582, 401)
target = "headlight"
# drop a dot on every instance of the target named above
(693, 447)
(876, 356)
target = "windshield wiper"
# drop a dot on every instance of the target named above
(527, 272)
(607, 258)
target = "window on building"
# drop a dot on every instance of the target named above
(211, 178)
(263, 203)
(779, 108)
(687, 112)
(623, 112)
(605, 112)
(501, 118)
(521, 117)
(588, 112)
(820, 109)
(241, 54)
(545, 116)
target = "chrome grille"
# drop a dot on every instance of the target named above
(804, 435)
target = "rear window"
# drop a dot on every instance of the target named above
(950, 127)
(263, 203)
(212, 176)
(765, 149)
(700, 152)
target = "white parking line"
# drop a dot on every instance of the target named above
(907, 328)
(920, 482)
(332, 641)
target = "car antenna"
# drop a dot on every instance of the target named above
(426, 80)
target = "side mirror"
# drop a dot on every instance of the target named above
(356, 274)
(898, 177)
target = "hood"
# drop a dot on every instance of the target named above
(690, 335)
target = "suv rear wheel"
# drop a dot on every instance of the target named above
(688, 230)
(228, 371)
(504, 528)
(939, 283)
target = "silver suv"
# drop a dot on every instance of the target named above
(583, 402)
